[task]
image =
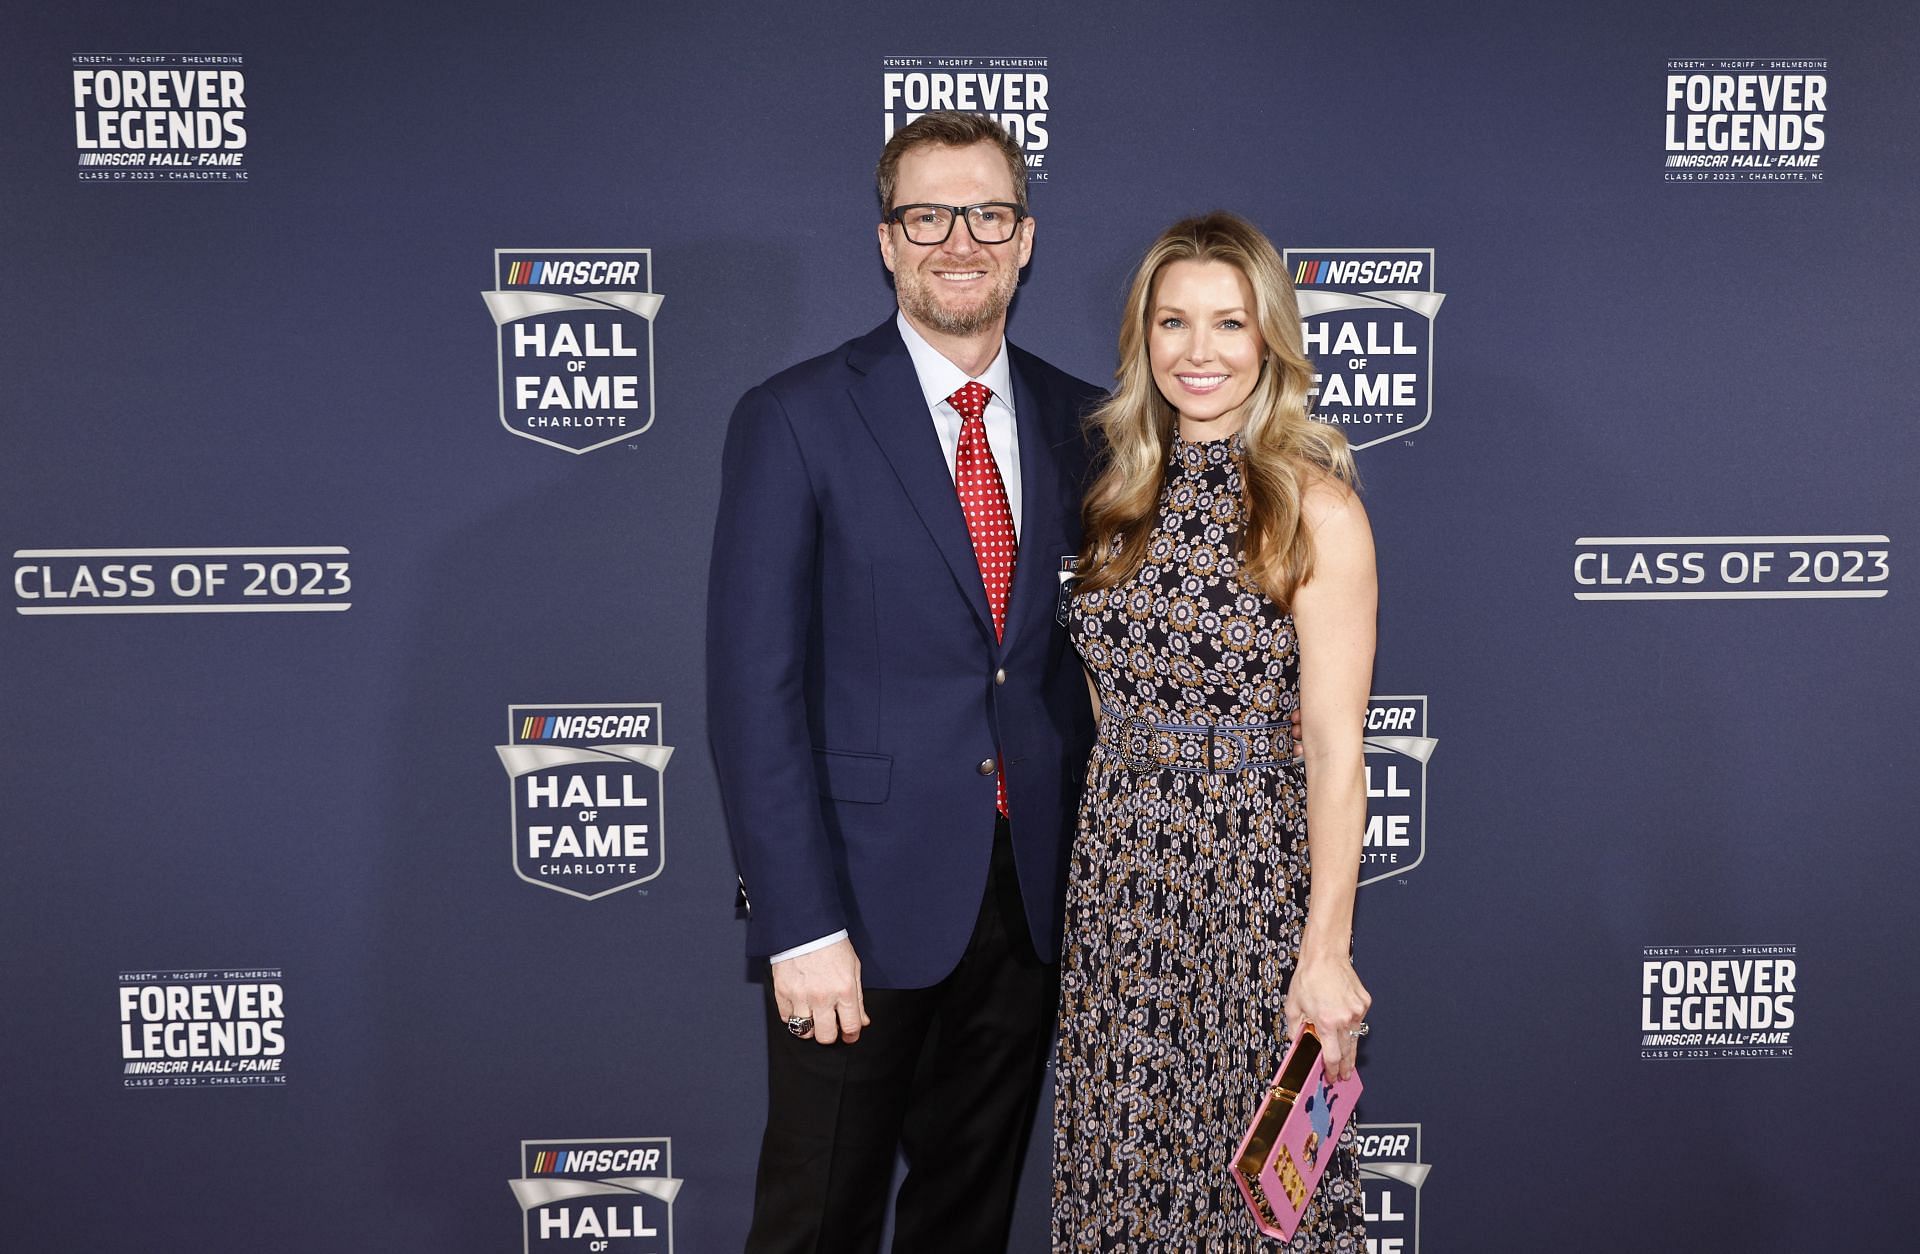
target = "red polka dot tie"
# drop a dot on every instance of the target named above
(983, 498)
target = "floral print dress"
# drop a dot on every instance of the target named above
(1186, 896)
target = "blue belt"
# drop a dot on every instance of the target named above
(1200, 748)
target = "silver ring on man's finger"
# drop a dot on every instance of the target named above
(801, 1025)
(1360, 1029)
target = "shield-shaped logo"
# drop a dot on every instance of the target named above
(1397, 748)
(588, 793)
(1391, 1174)
(1366, 315)
(613, 1196)
(575, 342)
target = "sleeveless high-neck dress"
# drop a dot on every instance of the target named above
(1186, 895)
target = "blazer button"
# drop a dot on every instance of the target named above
(986, 766)
(1000, 676)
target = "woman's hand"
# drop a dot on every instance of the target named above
(1327, 993)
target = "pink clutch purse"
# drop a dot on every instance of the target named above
(1291, 1139)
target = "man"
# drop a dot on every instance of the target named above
(899, 724)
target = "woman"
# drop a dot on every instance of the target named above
(1228, 581)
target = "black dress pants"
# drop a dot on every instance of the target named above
(949, 1074)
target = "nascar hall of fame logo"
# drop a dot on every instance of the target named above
(1367, 318)
(176, 119)
(612, 1196)
(1731, 120)
(1397, 749)
(586, 782)
(575, 329)
(1718, 1001)
(211, 1028)
(1010, 90)
(1391, 1174)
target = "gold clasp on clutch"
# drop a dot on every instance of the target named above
(1279, 1102)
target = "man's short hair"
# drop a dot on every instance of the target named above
(949, 130)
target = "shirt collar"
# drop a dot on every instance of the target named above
(940, 378)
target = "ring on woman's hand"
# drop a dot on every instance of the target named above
(800, 1025)
(1360, 1029)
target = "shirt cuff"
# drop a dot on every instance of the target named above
(809, 947)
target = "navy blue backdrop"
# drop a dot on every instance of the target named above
(287, 966)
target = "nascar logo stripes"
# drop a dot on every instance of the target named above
(1330, 270)
(530, 273)
(642, 1160)
(591, 727)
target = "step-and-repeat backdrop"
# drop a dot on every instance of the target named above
(366, 885)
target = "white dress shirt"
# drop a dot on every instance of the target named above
(939, 379)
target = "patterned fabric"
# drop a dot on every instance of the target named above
(1187, 893)
(983, 498)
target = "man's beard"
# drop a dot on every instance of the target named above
(918, 297)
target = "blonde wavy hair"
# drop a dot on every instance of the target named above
(1285, 449)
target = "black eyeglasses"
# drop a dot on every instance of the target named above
(991, 223)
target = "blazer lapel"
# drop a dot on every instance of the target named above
(1035, 580)
(890, 402)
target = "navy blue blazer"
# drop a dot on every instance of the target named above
(854, 685)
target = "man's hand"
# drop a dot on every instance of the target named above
(824, 986)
